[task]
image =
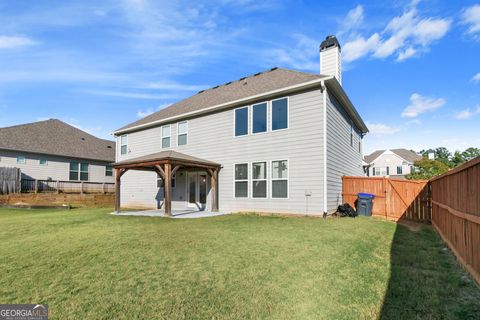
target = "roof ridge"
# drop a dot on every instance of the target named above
(27, 124)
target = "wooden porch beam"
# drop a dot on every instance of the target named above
(175, 169)
(160, 170)
(167, 189)
(214, 188)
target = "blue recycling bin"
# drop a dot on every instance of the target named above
(364, 204)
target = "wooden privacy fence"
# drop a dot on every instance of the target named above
(41, 186)
(456, 213)
(9, 180)
(395, 199)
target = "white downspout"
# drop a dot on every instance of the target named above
(325, 194)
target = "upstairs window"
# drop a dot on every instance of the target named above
(182, 129)
(241, 121)
(280, 179)
(166, 136)
(259, 180)
(123, 144)
(108, 170)
(351, 134)
(21, 159)
(259, 117)
(241, 180)
(43, 162)
(74, 171)
(280, 114)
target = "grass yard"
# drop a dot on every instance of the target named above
(87, 264)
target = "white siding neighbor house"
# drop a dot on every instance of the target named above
(394, 163)
(54, 150)
(277, 141)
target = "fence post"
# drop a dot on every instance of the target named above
(58, 186)
(81, 187)
(35, 186)
(386, 197)
(103, 188)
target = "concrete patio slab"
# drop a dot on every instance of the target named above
(177, 214)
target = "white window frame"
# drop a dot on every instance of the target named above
(241, 180)
(42, 164)
(271, 114)
(24, 161)
(124, 144)
(252, 180)
(401, 169)
(169, 136)
(351, 133)
(266, 117)
(181, 133)
(106, 170)
(80, 171)
(277, 179)
(235, 121)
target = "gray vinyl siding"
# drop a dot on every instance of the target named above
(57, 168)
(211, 137)
(342, 158)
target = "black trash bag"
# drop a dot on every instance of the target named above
(346, 210)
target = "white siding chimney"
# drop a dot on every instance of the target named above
(330, 58)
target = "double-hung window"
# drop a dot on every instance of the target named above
(241, 180)
(108, 170)
(166, 136)
(43, 162)
(78, 171)
(259, 180)
(399, 169)
(280, 179)
(259, 117)
(21, 159)
(280, 114)
(123, 144)
(182, 134)
(241, 121)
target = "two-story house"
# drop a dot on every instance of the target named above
(394, 163)
(55, 150)
(276, 141)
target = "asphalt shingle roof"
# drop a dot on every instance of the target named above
(408, 155)
(167, 155)
(262, 82)
(54, 137)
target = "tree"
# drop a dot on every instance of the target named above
(426, 169)
(471, 153)
(443, 155)
(457, 159)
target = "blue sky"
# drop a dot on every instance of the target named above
(412, 68)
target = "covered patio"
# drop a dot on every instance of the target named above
(166, 164)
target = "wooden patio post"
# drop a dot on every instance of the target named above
(118, 174)
(167, 189)
(214, 187)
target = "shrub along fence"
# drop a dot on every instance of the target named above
(395, 199)
(9, 180)
(456, 212)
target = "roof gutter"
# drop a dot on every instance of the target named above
(304, 85)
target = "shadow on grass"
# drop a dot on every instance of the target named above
(426, 281)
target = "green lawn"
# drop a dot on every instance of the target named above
(87, 264)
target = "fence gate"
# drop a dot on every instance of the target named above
(395, 199)
(10, 180)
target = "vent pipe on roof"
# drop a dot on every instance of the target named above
(330, 58)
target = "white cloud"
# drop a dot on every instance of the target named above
(476, 77)
(302, 55)
(10, 42)
(381, 129)
(420, 104)
(149, 111)
(359, 47)
(405, 36)
(471, 17)
(171, 85)
(467, 113)
(351, 21)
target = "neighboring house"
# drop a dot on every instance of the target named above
(54, 150)
(394, 163)
(279, 141)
